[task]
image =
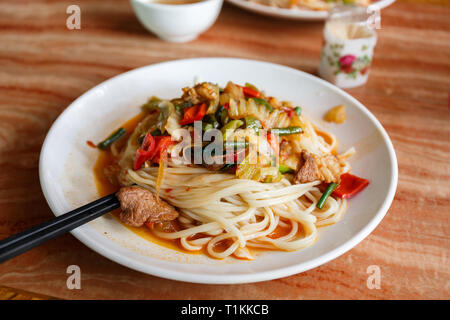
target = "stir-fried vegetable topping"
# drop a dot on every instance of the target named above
(251, 126)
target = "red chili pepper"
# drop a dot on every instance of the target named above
(194, 113)
(226, 105)
(290, 111)
(145, 152)
(162, 142)
(249, 92)
(350, 186)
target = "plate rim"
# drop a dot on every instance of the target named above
(227, 278)
(295, 14)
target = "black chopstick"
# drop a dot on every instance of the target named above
(37, 235)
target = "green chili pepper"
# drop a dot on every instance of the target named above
(235, 144)
(264, 102)
(298, 110)
(105, 144)
(230, 126)
(326, 194)
(286, 131)
(284, 169)
(254, 123)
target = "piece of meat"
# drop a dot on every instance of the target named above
(200, 92)
(140, 205)
(308, 170)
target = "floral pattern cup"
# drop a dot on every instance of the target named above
(344, 61)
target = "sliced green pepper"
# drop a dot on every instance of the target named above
(254, 123)
(264, 102)
(298, 110)
(105, 144)
(152, 104)
(284, 169)
(230, 126)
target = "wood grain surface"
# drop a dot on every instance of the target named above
(44, 67)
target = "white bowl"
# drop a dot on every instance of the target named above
(67, 179)
(177, 23)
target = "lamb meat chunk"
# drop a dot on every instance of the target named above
(308, 170)
(140, 205)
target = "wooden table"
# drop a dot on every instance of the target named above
(44, 67)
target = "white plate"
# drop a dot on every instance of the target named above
(67, 180)
(296, 13)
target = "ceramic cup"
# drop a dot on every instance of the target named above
(348, 49)
(177, 22)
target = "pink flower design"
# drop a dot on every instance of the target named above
(347, 60)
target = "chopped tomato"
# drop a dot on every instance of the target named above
(350, 186)
(194, 113)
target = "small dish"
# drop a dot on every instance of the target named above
(177, 22)
(67, 177)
